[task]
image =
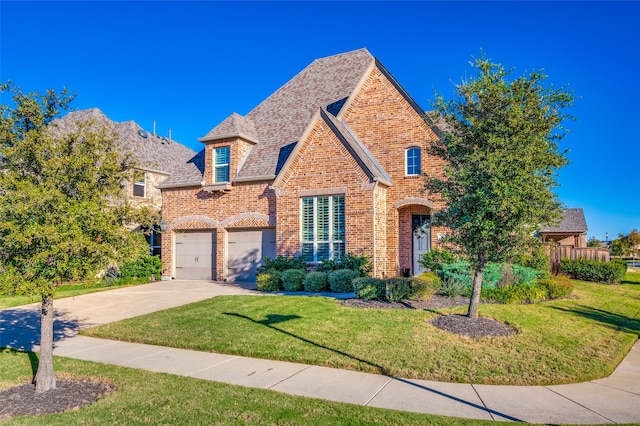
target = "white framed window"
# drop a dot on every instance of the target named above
(139, 184)
(412, 161)
(322, 228)
(221, 164)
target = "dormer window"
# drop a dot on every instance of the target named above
(412, 161)
(139, 184)
(221, 164)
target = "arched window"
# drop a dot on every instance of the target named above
(412, 161)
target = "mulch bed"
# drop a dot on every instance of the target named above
(456, 324)
(68, 395)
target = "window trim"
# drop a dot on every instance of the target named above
(217, 166)
(406, 160)
(140, 183)
(331, 241)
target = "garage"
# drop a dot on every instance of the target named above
(196, 256)
(246, 249)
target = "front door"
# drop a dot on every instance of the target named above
(421, 226)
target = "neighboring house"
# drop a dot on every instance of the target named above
(331, 163)
(571, 230)
(155, 158)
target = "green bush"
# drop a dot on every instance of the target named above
(292, 279)
(515, 294)
(435, 257)
(340, 280)
(492, 275)
(369, 288)
(315, 282)
(398, 289)
(269, 280)
(282, 263)
(453, 286)
(147, 267)
(593, 270)
(360, 264)
(425, 286)
(556, 287)
(535, 257)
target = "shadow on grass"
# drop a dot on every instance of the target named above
(275, 319)
(615, 321)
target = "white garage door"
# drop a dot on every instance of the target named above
(246, 250)
(196, 256)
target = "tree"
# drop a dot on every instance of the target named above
(630, 243)
(616, 248)
(499, 142)
(593, 242)
(61, 218)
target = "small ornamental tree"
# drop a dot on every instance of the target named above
(61, 209)
(499, 143)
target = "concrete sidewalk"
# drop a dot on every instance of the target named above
(615, 399)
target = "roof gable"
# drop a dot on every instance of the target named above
(234, 126)
(573, 220)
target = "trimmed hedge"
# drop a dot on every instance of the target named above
(340, 280)
(269, 280)
(398, 289)
(146, 267)
(369, 288)
(425, 286)
(594, 270)
(547, 288)
(315, 282)
(292, 279)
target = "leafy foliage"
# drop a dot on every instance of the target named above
(360, 264)
(340, 280)
(282, 263)
(425, 286)
(594, 270)
(433, 258)
(367, 288)
(147, 266)
(315, 282)
(593, 242)
(398, 289)
(495, 274)
(292, 279)
(500, 147)
(269, 280)
(547, 288)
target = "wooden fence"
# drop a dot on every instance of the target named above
(557, 253)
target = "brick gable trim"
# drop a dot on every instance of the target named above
(252, 220)
(193, 222)
(414, 201)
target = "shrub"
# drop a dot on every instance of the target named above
(536, 258)
(369, 288)
(145, 267)
(292, 279)
(515, 294)
(492, 274)
(425, 286)
(340, 280)
(269, 280)
(282, 263)
(453, 286)
(556, 287)
(435, 257)
(360, 264)
(593, 270)
(398, 289)
(315, 282)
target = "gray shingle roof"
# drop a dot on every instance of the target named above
(150, 152)
(234, 126)
(573, 220)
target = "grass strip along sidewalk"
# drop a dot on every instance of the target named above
(562, 341)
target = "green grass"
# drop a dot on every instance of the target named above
(562, 341)
(152, 398)
(69, 290)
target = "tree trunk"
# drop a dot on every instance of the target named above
(45, 377)
(474, 303)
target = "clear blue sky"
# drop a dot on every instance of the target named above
(188, 65)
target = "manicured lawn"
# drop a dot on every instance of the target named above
(152, 398)
(563, 341)
(68, 290)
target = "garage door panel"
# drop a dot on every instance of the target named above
(195, 256)
(246, 249)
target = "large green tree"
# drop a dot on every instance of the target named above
(61, 206)
(500, 144)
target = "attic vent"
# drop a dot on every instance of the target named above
(142, 133)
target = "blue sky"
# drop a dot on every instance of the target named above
(188, 65)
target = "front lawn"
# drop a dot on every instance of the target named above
(562, 341)
(143, 397)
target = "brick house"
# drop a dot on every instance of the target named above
(155, 158)
(330, 163)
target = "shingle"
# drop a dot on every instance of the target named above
(573, 220)
(149, 152)
(233, 126)
(281, 119)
